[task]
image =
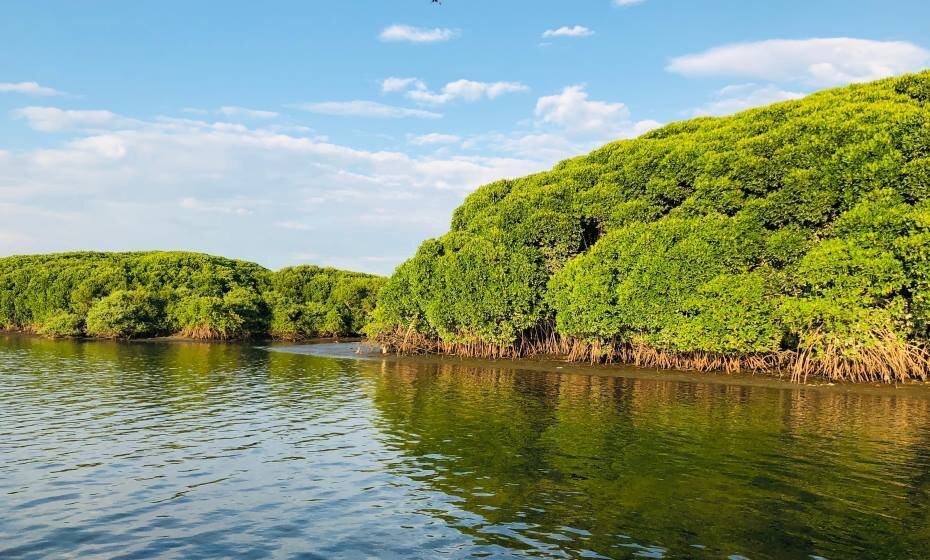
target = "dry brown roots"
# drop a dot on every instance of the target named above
(886, 359)
(203, 332)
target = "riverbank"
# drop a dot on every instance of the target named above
(893, 362)
(362, 350)
(648, 364)
(180, 338)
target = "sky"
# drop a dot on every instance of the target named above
(345, 133)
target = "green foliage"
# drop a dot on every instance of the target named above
(654, 282)
(238, 314)
(124, 314)
(916, 86)
(805, 222)
(309, 301)
(464, 288)
(63, 324)
(126, 295)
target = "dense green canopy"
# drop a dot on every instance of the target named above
(127, 295)
(802, 226)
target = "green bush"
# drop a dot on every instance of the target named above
(209, 317)
(310, 301)
(465, 288)
(124, 314)
(295, 321)
(63, 324)
(649, 280)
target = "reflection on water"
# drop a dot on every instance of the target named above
(194, 450)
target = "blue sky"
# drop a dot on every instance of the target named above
(345, 133)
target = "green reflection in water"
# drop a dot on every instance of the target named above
(424, 458)
(762, 471)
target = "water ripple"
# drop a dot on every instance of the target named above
(202, 451)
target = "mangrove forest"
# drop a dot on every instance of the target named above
(145, 294)
(792, 238)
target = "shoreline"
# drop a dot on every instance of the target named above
(549, 364)
(180, 338)
(892, 361)
(324, 347)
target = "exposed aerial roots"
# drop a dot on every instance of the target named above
(886, 359)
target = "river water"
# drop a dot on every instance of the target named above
(186, 450)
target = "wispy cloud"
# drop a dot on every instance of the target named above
(817, 62)
(739, 97)
(366, 109)
(235, 207)
(627, 3)
(294, 225)
(411, 34)
(575, 31)
(392, 84)
(28, 88)
(53, 119)
(459, 90)
(435, 138)
(233, 111)
(12, 238)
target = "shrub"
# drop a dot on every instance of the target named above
(62, 324)
(209, 318)
(124, 314)
(310, 301)
(465, 288)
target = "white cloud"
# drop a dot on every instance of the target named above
(435, 138)
(28, 88)
(576, 31)
(410, 34)
(294, 225)
(450, 173)
(572, 111)
(567, 124)
(295, 128)
(53, 119)
(548, 146)
(12, 239)
(627, 3)
(233, 111)
(818, 62)
(105, 146)
(114, 187)
(735, 98)
(222, 206)
(366, 109)
(392, 84)
(461, 90)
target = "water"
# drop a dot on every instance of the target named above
(182, 450)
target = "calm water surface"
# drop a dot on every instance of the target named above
(178, 450)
